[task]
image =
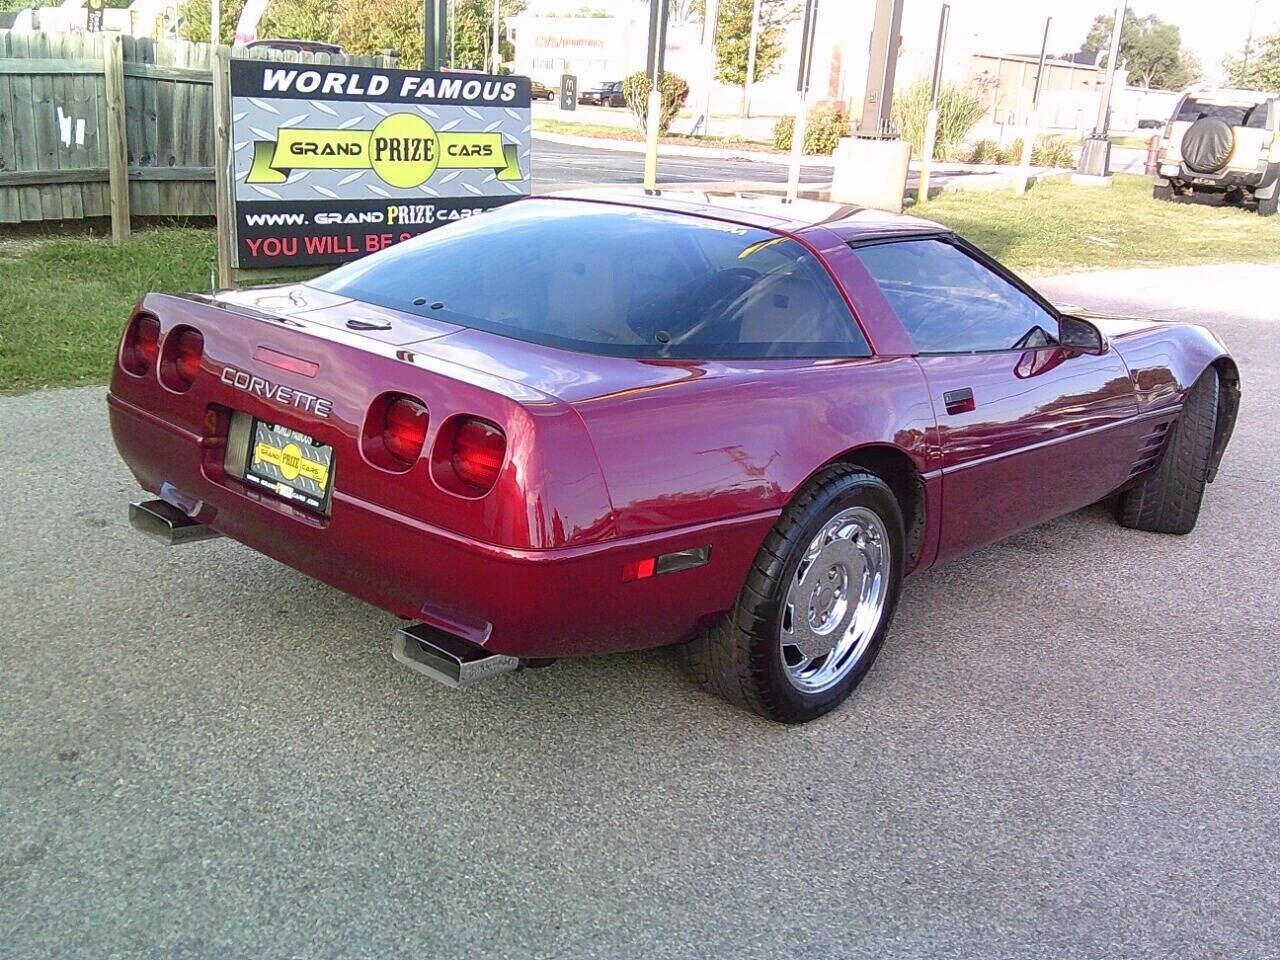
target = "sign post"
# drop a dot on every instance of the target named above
(93, 16)
(568, 92)
(321, 164)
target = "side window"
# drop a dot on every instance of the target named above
(950, 303)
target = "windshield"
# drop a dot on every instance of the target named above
(1235, 115)
(616, 280)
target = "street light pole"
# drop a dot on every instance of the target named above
(752, 46)
(931, 120)
(1033, 122)
(802, 91)
(709, 24)
(497, 55)
(658, 11)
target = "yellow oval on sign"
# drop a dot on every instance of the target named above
(291, 461)
(404, 150)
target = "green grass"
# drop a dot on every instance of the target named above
(63, 302)
(1058, 227)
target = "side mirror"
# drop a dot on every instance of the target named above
(1075, 333)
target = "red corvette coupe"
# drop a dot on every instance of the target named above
(602, 422)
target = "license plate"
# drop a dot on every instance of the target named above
(290, 464)
(1204, 181)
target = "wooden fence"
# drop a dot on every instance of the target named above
(99, 124)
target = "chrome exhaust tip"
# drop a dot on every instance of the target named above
(447, 659)
(166, 522)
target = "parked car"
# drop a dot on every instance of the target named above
(604, 95)
(1223, 142)
(296, 46)
(540, 91)
(601, 422)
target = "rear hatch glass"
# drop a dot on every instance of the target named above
(615, 280)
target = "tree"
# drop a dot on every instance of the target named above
(364, 26)
(1150, 48)
(733, 36)
(293, 19)
(1262, 72)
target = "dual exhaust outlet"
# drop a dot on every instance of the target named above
(423, 649)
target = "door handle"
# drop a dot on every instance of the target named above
(959, 401)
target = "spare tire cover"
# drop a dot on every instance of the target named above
(1207, 144)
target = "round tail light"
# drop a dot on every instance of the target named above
(404, 429)
(141, 345)
(180, 365)
(478, 451)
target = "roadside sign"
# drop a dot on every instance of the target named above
(93, 16)
(568, 92)
(330, 163)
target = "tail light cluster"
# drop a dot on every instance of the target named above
(177, 364)
(141, 345)
(467, 455)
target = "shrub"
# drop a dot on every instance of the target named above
(1053, 152)
(959, 108)
(1011, 154)
(1049, 151)
(984, 151)
(673, 89)
(823, 128)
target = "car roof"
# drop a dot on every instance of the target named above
(764, 211)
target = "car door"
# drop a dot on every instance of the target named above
(1026, 429)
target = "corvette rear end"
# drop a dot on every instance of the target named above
(326, 434)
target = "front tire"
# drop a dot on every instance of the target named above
(816, 605)
(1168, 501)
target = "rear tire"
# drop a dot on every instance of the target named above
(1168, 501)
(828, 574)
(1268, 206)
(1162, 191)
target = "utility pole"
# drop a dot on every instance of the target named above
(752, 46)
(882, 66)
(497, 53)
(1095, 157)
(802, 92)
(658, 13)
(931, 121)
(1033, 122)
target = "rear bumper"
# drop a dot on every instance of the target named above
(1265, 175)
(523, 603)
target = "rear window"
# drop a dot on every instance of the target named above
(614, 280)
(1234, 115)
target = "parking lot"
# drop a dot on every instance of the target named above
(1070, 746)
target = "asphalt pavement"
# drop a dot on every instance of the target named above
(1069, 748)
(559, 164)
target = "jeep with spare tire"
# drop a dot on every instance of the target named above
(1222, 142)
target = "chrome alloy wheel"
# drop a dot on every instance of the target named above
(836, 600)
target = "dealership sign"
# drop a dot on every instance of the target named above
(331, 163)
